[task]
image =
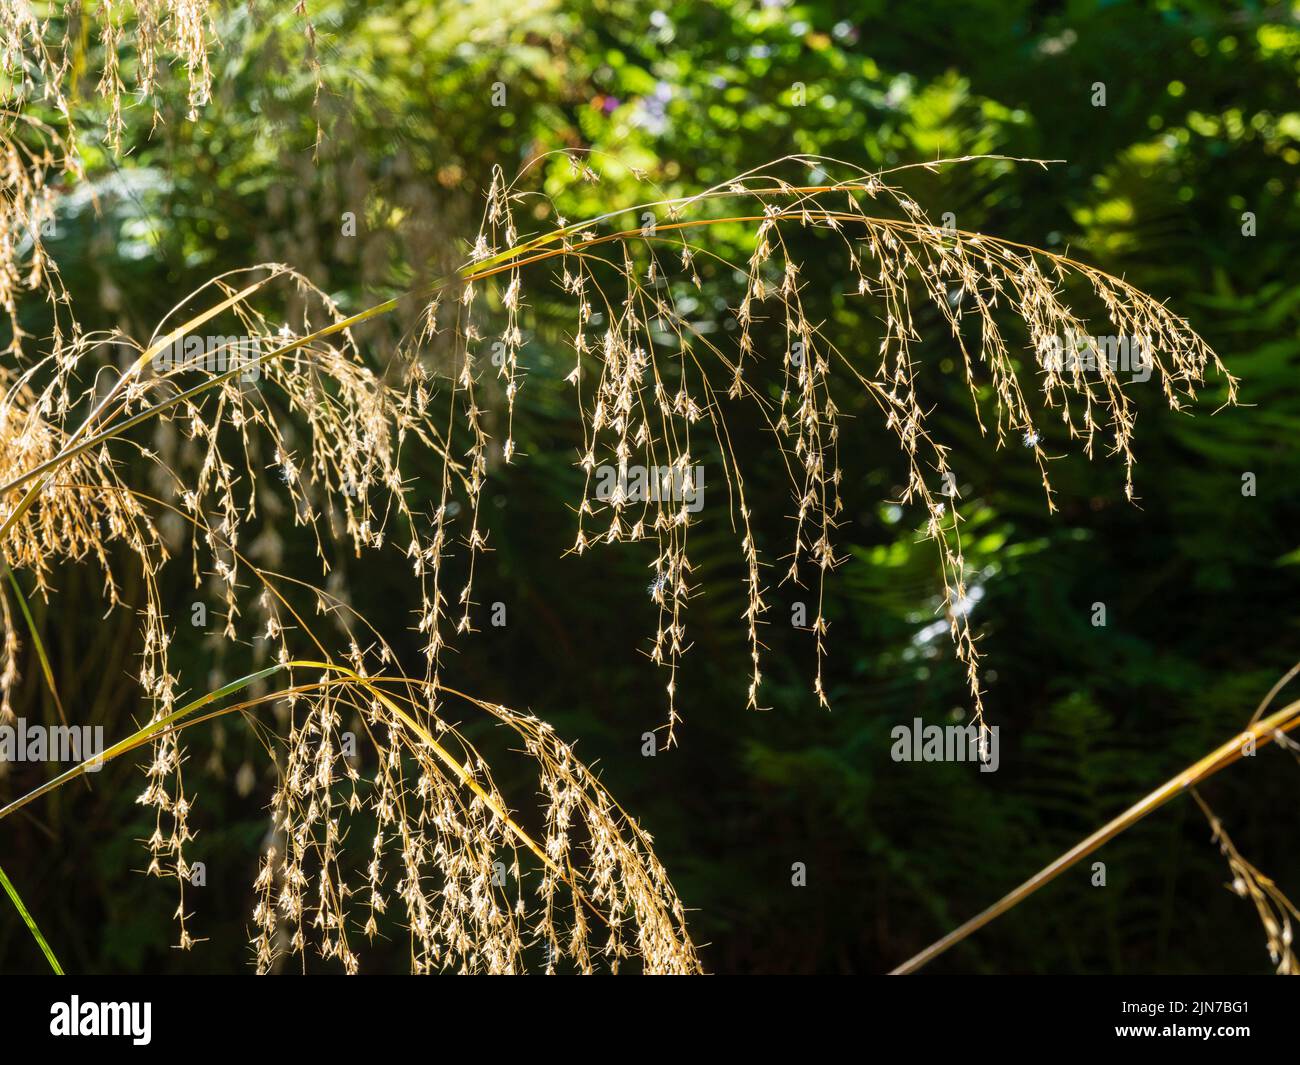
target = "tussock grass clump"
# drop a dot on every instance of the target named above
(303, 435)
(303, 428)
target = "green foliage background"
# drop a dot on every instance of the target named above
(1199, 126)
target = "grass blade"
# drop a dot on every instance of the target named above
(12, 892)
(36, 642)
(141, 735)
(1260, 732)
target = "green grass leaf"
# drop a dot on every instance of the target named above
(12, 892)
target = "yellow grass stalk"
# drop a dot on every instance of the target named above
(1221, 757)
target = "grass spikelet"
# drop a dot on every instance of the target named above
(1274, 908)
